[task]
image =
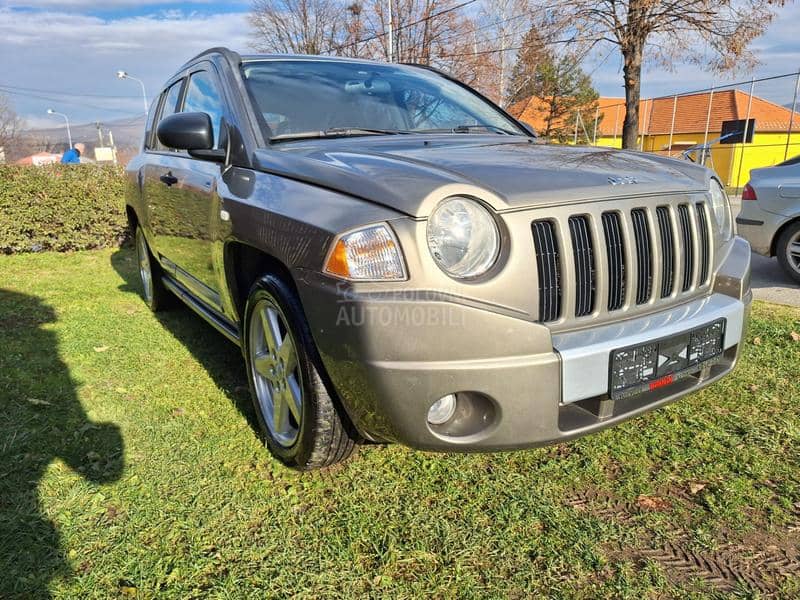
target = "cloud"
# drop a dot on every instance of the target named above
(81, 54)
(91, 4)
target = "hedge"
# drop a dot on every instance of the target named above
(61, 208)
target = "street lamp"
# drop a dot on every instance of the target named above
(124, 75)
(50, 111)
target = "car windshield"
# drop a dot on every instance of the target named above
(792, 161)
(299, 99)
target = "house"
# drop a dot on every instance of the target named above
(671, 125)
(39, 159)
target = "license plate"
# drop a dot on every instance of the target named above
(659, 363)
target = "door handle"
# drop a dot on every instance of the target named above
(169, 179)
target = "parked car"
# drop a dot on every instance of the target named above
(401, 261)
(770, 215)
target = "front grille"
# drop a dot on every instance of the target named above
(687, 239)
(615, 251)
(583, 254)
(616, 261)
(644, 254)
(548, 263)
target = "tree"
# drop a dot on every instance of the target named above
(530, 56)
(296, 26)
(503, 23)
(711, 33)
(553, 86)
(429, 32)
(10, 124)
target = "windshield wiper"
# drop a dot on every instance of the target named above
(469, 128)
(495, 128)
(335, 132)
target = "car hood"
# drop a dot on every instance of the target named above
(409, 173)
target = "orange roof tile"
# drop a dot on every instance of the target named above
(691, 113)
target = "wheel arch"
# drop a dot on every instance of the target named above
(133, 220)
(773, 247)
(244, 264)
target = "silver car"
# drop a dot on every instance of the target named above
(399, 260)
(770, 216)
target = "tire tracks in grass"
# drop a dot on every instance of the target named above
(759, 561)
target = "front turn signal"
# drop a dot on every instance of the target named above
(368, 254)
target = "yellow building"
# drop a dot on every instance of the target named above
(671, 125)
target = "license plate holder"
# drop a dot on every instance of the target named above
(658, 363)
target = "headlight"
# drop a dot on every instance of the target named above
(722, 210)
(368, 254)
(463, 237)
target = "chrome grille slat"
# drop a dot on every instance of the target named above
(549, 270)
(583, 255)
(644, 285)
(687, 241)
(616, 259)
(667, 251)
(705, 242)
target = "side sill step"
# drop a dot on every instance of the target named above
(225, 328)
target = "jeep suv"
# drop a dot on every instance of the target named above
(400, 260)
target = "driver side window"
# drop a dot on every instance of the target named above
(202, 95)
(168, 107)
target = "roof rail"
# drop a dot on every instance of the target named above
(234, 58)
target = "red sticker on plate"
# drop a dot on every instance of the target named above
(658, 383)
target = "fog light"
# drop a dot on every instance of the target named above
(442, 410)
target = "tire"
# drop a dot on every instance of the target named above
(788, 251)
(155, 294)
(306, 428)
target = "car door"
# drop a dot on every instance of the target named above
(155, 170)
(182, 194)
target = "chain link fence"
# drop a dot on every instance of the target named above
(731, 128)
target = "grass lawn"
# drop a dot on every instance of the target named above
(129, 467)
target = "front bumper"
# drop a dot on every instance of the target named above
(389, 358)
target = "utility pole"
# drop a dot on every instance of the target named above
(113, 147)
(391, 32)
(791, 117)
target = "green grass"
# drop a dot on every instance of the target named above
(129, 467)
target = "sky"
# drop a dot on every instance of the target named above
(64, 54)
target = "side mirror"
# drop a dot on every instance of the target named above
(186, 131)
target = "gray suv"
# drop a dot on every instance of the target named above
(400, 260)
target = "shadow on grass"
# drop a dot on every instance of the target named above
(219, 357)
(41, 419)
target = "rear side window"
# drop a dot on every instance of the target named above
(168, 107)
(202, 95)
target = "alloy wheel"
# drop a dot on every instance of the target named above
(275, 372)
(793, 252)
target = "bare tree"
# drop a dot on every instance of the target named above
(10, 125)
(438, 33)
(415, 31)
(297, 26)
(502, 24)
(711, 33)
